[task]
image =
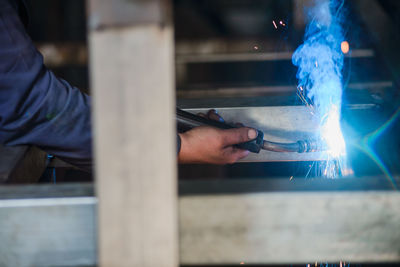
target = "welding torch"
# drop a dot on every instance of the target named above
(187, 121)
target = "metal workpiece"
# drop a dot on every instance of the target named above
(220, 222)
(251, 56)
(48, 232)
(283, 127)
(290, 228)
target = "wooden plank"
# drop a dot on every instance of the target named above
(289, 228)
(133, 80)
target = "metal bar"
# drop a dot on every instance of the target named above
(265, 90)
(48, 232)
(288, 228)
(46, 191)
(221, 222)
(283, 124)
(132, 74)
(255, 56)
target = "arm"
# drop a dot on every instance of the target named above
(36, 107)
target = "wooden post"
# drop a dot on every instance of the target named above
(132, 75)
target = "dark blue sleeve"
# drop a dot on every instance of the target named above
(36, 107)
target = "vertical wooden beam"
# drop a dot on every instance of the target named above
(132, 77)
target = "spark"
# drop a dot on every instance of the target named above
(242, 263)
(281, 22)
(255, 47)
(320, 63)
(273, 22)
(291, 178)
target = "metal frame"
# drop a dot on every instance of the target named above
(137, 189)
(220, 222)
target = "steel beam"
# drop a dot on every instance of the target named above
(288, 228)
(220, 222)
(229, 92)
(48, 232)
(279, 124)
(255, 56)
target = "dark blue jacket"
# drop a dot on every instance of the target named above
(36, 107)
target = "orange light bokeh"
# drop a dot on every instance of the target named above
(345, 47)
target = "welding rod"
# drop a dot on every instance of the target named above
(187, 121)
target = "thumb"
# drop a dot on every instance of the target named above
(238, 135)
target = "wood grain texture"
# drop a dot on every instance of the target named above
(134, 102)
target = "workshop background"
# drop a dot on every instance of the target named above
(238, 54)
(230, 54)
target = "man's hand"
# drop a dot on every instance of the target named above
(215, 146)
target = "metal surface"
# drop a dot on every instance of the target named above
(46, 191)
(255, 56)
(290, 228)
(268, 90)
(221, 222)
(283, 124)
(48, 232)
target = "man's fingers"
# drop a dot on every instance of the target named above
(238, 135)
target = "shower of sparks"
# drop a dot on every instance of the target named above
(273, 22)
(320, 62)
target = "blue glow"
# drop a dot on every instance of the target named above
(367, 146)
(320, 61)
